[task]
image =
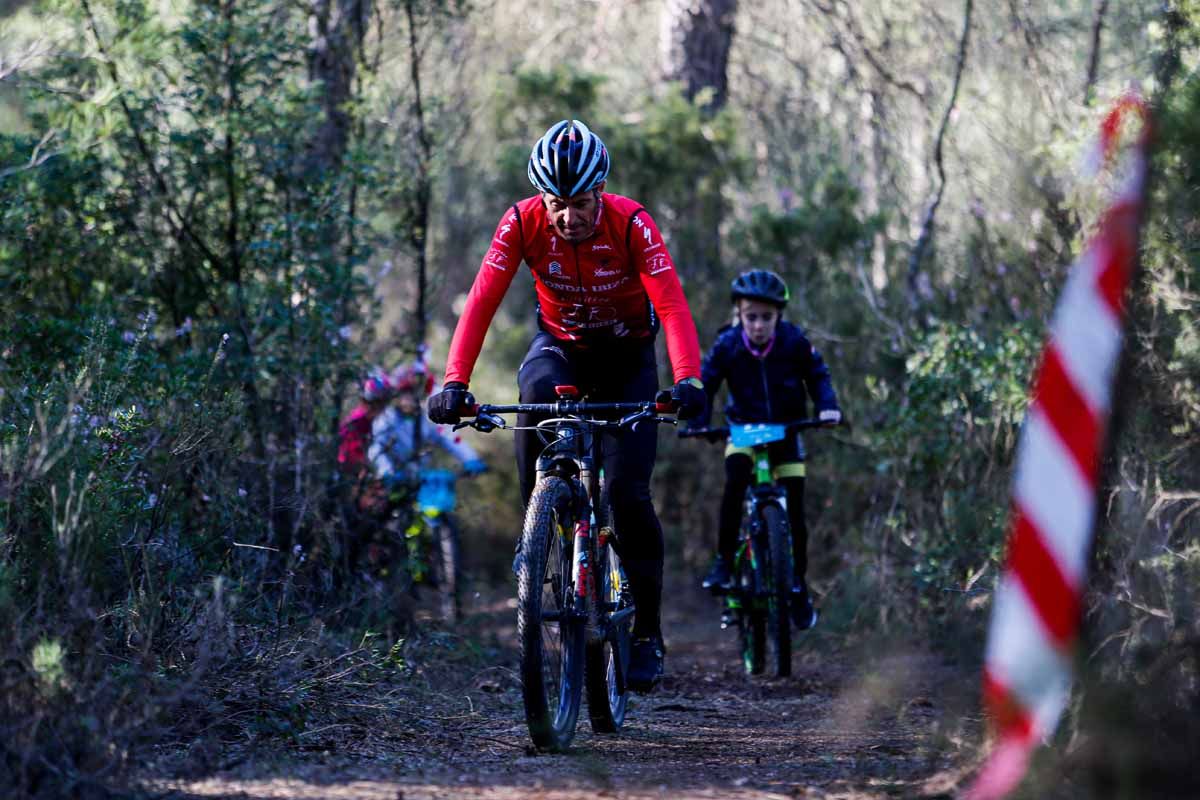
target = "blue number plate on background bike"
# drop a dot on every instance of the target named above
(436, 494)
(751, 435)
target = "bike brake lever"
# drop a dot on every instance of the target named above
(486, 423)
(633, 419)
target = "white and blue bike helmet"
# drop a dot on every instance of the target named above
(568, 159)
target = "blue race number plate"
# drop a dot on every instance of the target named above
(759, 433)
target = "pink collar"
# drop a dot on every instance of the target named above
(755, 351)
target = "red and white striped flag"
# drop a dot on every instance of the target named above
(1036, 608)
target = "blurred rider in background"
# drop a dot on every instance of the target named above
(400, 429)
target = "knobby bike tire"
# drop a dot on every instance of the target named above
(447, 569)
(551, 650)
(607, 697)
(752, 618)
(779, 616)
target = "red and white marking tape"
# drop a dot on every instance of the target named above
(1036, 608)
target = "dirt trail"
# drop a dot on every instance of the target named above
(868, 722)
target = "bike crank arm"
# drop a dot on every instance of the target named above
(619, 617)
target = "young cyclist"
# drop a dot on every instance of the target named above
(399, 429)
(354, 432)
(772, 370)
(605, 281)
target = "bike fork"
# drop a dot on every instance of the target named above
(738, 598)
(582, 567)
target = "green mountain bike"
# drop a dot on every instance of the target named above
(759, 602)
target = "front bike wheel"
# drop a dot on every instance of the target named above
(752, 619)
(551, 636)
(779, 587)
(608, 657)
(447, 570)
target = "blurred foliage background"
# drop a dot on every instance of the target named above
(217, 215)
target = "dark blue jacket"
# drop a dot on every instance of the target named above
(771, 389)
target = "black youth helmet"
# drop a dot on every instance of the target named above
(760, 284)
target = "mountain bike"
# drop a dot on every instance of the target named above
(432, 539)
(759, 602)
(574, 605)
(410, 539)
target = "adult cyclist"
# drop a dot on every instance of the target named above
(605, 282)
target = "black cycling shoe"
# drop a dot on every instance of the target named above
(804, 616)
(645, 664)
(719, 578)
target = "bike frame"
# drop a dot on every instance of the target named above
(763, 491)
(574, 454)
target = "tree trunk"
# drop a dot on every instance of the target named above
(337, 28)
(696, 38)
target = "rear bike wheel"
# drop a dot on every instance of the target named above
(779, 586)
(752, 618)
(608, 657)
(550, 635)
(447, 569)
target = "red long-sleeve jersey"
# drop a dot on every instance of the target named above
(616, 283)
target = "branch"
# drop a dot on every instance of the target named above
(9, 68)
(1033, 36)
(419, 234)
(860, 39)
(232, 108)
(36, 158)
(872, 299)
(914, 262)
(874, 61)
(1089, 86)
(177, 222)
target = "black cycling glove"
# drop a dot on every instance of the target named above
(446, 407)
(689, 398)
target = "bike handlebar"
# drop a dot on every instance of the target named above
(722, 432)
(485, 416)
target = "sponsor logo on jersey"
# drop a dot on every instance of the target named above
(596, 248)
(590, 314)
(605, 287)
(495, 258)
(658, 263)
(555, 268)
(562, 287)
(602, 271)
(572, 324)
(646, 232)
